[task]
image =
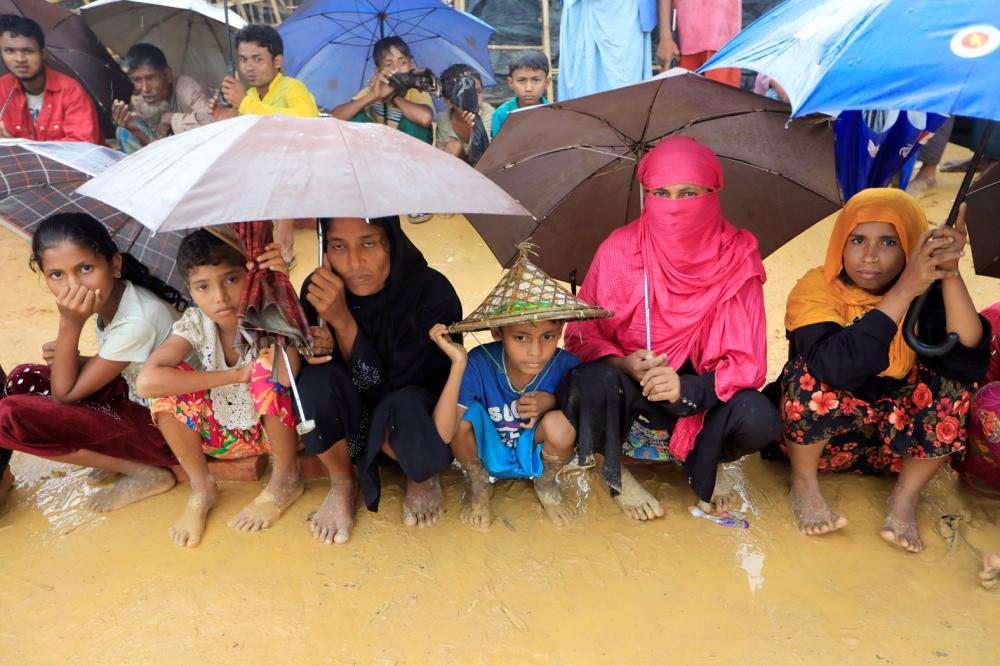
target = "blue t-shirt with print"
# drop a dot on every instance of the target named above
(485, 381)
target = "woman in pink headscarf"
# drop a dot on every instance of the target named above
(690, 395)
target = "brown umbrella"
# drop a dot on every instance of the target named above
(74, 50)
(573, 165)
(983, 219)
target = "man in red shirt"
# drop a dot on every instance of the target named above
(37, 102)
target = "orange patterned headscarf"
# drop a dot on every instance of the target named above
(821, 296)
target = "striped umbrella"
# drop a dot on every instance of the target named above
(38, 179)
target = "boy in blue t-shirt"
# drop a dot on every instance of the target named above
(528, 78)
(498, 412)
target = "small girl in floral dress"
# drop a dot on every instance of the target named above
(230, 407)
(855, 396)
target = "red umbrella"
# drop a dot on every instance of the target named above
(269, 307)
(74, 50)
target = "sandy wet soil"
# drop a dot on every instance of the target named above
(77, 587)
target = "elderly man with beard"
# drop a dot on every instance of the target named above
(162, 105)
(37, 102)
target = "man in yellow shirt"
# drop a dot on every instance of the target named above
(260, 54)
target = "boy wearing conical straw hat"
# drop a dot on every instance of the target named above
(497, 408)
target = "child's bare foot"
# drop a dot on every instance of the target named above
(98, 477)
(422, 504)
(476, 511)
(635, 501)
(811, 510)
(900, 526)
(267, 507)
(334, 521)
(189, 528)
(990, 575)
(145, 482)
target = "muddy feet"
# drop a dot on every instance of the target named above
(334, 521)
(725, 496)
(190, 527)
(900, 526)
(98, 477)
(990, 575)
(559, 511)
(129, 488)
(811, 510)
(422, 504)
(635, 501)
(476, 511)
(267, 507)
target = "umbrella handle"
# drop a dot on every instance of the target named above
(910, 323)
(305, 425)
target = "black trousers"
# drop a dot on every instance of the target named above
(404, 416)
(602, 402)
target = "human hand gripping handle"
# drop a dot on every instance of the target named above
(936, 257)
(327, 294)
(322, 349)
(661, 384)
(639, 362)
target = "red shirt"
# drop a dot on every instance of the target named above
(67, 113)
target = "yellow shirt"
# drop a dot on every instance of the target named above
(390, 114)
(285, 95)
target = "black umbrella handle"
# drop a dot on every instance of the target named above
(910, 323)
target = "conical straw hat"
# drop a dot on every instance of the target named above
(525, 293)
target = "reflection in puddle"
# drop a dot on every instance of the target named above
(58, 491)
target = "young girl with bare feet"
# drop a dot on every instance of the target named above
(672, 376)
(83, 409)
(855, 396)
(498, 407)
(230, 408)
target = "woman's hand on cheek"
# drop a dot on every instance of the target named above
(326, 293)
(934, 252)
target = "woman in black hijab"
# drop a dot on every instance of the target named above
(376, 375)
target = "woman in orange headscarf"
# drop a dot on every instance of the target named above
(855, 397)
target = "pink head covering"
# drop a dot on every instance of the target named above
(705, 283)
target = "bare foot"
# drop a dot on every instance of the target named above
(129, 488)
(725, 496)
(476, 511)
(559, 511)
(635, 501)
(921, 184)
(98, 477)
(334, 521)
(811, 509)
(188, 529)
(990, 575)
(900, 526)
(267, 507)
(422, 504)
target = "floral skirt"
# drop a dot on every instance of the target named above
(980, 467)
(195, 411)
(924, 418)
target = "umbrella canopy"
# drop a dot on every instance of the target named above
(276, 166)
(269, 305)
(983, 204)
(573, 165)
(938, 56)
(328, 43)
(75, 51)
(38, 179)
(191, 33)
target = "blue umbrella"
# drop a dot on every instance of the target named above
(936, 56)
(328, 43)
